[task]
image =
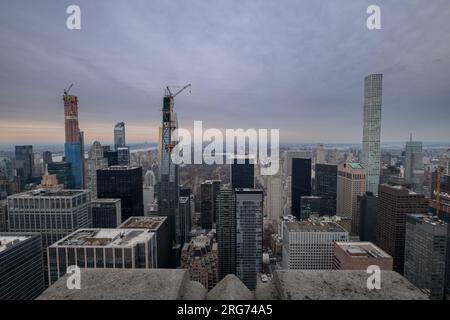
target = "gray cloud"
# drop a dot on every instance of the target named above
(294, 65)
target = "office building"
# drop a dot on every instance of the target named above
(184, 219)
(74, 145)
(243, 172)
(414, 168)
(149, 179)
(426, 257)
(24, 164)
(249, 235)
(351, 184)
(367, 222)
(4, 227)
(6, 167)
(274, 203)
(94, 162)
(63, 172)
(226, 231)
(102, 248)
(21, 266)
(320, 154)
(124, 183)
(160, 226)
(291, 154)
(310, 206)
(123, 156)
(47, 157)
(200, 257)
(112, 157)
(326, 187)
(106, 213)
(394, 204)
(300, 183)
(208, 194)
(53, 214)
(9, 186)
(309, 244)
(119, 135)
(371, 152)
(360, 256)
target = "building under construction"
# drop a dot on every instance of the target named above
(168, 191)
(74, 145)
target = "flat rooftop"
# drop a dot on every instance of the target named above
(102, 201)
(7, 242)
(424, 218)
(152, 223)
(313, 226)
(362, 250)
(105, 238)
(49, 193)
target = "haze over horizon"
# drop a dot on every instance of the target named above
(298, 68)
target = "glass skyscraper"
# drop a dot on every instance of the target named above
(371, 154)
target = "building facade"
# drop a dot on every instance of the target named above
(360, 256)
(106, 213)
(24, 164)
(94, 162)
(351, 184)
(119, 135)
(371, 152)
(102, 248)
(326, 187)
(394, 204)
(300, 184)
(21, 266)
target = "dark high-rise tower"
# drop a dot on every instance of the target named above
(24, 164)
(242, 173)
(300, 184)
(326, 187)
(124, 183)
(226, 232)
(74, 145)
(119, 135)
(168, 188)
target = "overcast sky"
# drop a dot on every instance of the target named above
(295, 65)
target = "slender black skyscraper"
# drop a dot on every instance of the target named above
(242, 173)
(226, 232)
(326, 187)
(300, 184)
(168, 188)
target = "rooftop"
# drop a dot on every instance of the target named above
(49, 193)
(428, 219)
(7, 241)
(102, 201)
(105, 238)
(152, 223)
(313, 226)
(362, 250)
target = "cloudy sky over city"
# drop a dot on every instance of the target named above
(295, 65)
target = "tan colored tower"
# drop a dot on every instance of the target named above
(351, 183)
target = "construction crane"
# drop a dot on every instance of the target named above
(66, 91)
(169, 93)
(169, 122)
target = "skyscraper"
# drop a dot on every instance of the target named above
(371, 154)
(94, 162)
(414, 168)
(168, 188)
(47, 158)
(124, 183)
(394, 204)
(21, 266)
(351, 184)
(24, 164)
(367, 223)
(249, 235)
(106, 213)
(53, 214)
(119, 135)
(74, 145)
(326, 187)
(226, 231)
(242, 172)
(184, 220)
(300, 184)
(63, 172)
(123, 156)
(208, 194)
(6, 168)
(274, 198)
(426, 259)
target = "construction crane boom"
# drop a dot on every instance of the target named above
(66, 91)
(169, 93)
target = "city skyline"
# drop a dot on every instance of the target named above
(307, 82)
